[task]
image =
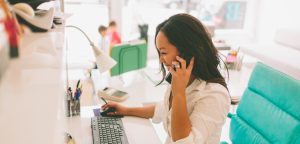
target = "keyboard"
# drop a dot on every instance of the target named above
(108, 130)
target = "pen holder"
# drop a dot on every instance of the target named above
(73, 102)
(68, 104)
(234, 60)
(75, 105)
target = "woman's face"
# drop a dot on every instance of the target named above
(168, 52)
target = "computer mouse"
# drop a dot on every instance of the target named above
(104, 113)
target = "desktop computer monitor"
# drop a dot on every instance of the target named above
(129, 57)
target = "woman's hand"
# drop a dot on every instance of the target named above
(180, 77)
(120, 109)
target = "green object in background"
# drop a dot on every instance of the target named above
(129, 57)
(269, 111)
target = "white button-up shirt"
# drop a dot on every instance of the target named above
(207, 105)
(104, 44)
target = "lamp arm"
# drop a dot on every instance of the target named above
(90, 41)
(103, 61)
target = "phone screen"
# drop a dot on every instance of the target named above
(169, 76)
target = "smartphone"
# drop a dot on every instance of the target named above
(169, 75)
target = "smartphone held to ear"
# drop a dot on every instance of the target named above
(169, 78)
(169, 75)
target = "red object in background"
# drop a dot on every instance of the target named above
(115, 38)
(11, 28)
(12, 32)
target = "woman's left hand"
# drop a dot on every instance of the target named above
(180, 77)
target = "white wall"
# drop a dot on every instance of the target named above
(274, 14)
(87, 16)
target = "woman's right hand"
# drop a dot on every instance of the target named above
(119, 109)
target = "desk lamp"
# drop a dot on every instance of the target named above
(103, 61)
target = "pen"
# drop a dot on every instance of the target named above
(78, 82)
(104, 100)
(68, 136)
(69, 139)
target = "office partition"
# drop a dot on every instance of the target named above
(129, 57)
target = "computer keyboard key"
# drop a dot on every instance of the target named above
(108, 130)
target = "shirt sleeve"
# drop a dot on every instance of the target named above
(208, 117)
(158, 112)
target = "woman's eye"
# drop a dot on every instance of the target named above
(162, 53)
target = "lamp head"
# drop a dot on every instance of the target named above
(103, 61)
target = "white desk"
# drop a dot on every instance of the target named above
(238, 79)
(138, 130)
(32, 91)
(141, 90)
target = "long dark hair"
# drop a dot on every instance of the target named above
(190, 37)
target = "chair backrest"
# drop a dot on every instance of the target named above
(269, 111)
(131, 56)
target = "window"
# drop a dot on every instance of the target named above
(223, 14)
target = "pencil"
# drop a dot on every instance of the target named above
(104, 100)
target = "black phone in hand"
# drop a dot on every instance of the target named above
(169, 78)
(169, 75)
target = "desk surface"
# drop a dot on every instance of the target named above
(32, 90)
(138, 130)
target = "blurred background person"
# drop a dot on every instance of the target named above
(104, 41)
(114, 35)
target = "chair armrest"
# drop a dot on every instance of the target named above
(229, 115)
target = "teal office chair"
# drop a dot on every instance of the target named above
(129, 57)
(269, 110)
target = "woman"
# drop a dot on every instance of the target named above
(197, 102)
